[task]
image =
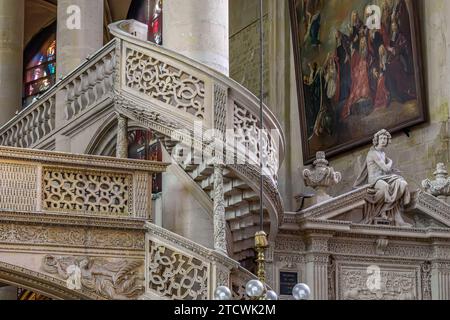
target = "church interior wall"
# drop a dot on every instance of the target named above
(416, 156)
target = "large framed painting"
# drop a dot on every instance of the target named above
(358, 68)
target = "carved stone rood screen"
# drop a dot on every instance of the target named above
(54, 182)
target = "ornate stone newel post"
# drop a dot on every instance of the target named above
(122, 137)
(220, 242)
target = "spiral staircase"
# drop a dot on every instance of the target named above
(171, 95)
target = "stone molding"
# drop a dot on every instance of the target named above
(34, 235)
(75, 160)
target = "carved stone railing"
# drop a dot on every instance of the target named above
(186, 91)
(163, 91)
(88, 85)
(173, 94)
(31, 125)
(51, 182)
(91, 84)
(180, 269)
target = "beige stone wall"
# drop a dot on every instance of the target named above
(244, 44)
(415, 156)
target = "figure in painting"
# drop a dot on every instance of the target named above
(400, 70)
(359, 78)
(388, 194)
(312, 21)
(360, 94)
(382, 96)
(342, 54)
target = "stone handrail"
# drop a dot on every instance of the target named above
(84, 87)
(34, 181)
(180, 269)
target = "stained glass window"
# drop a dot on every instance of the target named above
(150, 13)
(40, 64)
(142, 145)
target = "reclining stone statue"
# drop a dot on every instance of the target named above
(388, 193)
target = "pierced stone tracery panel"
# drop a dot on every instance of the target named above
(92, 192)
(165, 83)
(247, 131)
(175, 275)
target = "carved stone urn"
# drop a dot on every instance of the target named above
(440, 187)
(320, 178)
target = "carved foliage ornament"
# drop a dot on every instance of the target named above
(375, 283)
(63, 236)
(175, 275)
(119, 279)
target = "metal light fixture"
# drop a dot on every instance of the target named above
(257, 289)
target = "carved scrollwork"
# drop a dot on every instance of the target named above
(80, 191)
(247, 132)
(175, 275)
(120, 279)
(376, 283)
(164, 82)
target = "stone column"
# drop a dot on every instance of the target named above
(316, 261)
(80, 32)
(198, 29)
(440, 281)
(220, 241)
(122, 137)
(11, 57)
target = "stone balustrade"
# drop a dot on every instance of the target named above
(182, 93)
(52, 182)
(32, 125)
(91, 84)
(85, 87)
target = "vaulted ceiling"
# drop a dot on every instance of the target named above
(40, 13)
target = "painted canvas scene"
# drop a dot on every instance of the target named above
(358, 70)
